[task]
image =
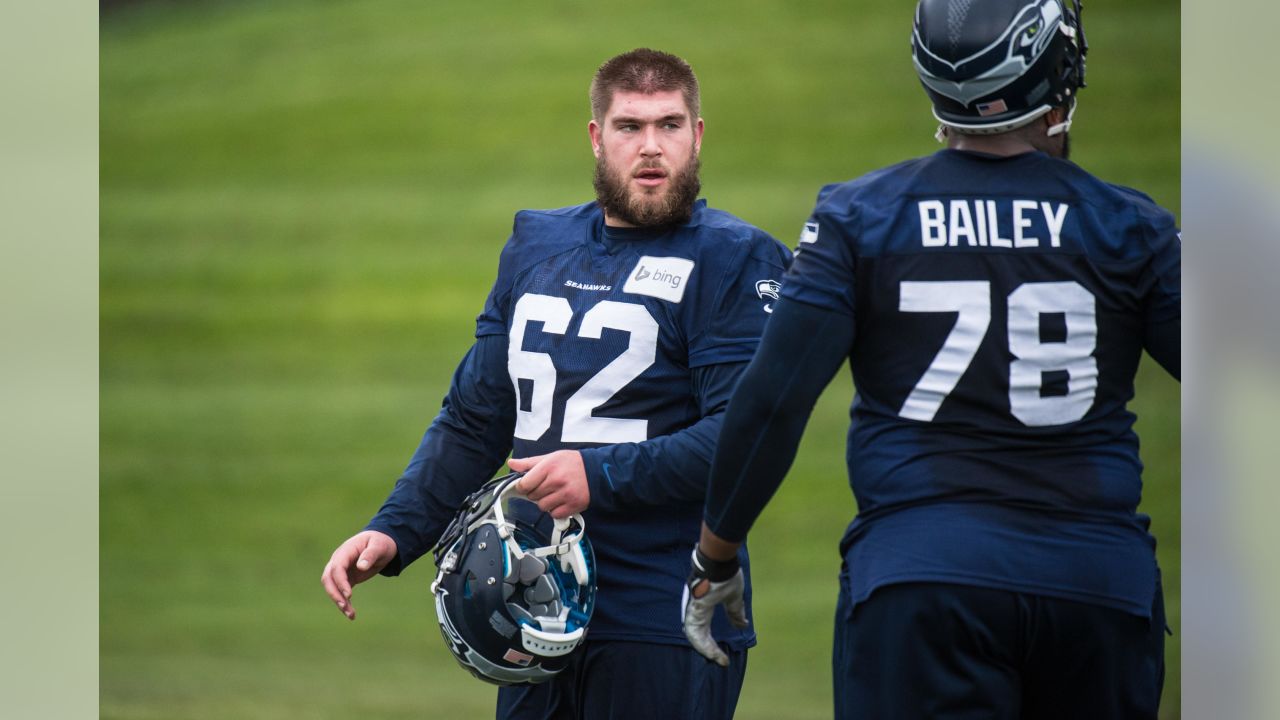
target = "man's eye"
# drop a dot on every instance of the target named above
(628, 128)
(671, 126)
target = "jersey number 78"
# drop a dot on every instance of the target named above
(971, 301)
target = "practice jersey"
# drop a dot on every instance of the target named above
(613, 337)
(1001, 305)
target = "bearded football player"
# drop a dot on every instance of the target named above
(603, 361)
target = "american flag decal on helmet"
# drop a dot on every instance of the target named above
(517, 657)
(992, 108)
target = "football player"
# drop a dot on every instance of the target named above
(604, 359)
(993, 301)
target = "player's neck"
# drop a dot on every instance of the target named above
(1003, 144)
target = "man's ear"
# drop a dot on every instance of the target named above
(1054, 116)
(594, 132)
(698, 127)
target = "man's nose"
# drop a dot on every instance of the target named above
(650, 147)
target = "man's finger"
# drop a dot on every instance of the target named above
(336, 586)
(536, 484)
(335, 579)
(697, 628)
(556, 509)
(532, 478)
(331, 587)
(523, 464)
(708, 648)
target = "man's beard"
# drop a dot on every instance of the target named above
(675, 206)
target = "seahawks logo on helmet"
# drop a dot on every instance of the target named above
(994, 65)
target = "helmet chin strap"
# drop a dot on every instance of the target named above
(1065, 125)
(567, 549)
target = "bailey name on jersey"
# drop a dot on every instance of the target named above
(991, 223)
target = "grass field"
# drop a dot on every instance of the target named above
(301, 209)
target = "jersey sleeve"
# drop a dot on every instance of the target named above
(1164, 300)
(765, 419)
(1162, 332)
(667, 470)
(493, 319)
(733, 308)
(823, 271)
(465, 445)
(727, 318)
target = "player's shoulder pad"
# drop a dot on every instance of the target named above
(1133, 215)
(531, 225)
(723, 234)
(878, 187)
(1145, 209)
(1110, 197)
(539, 234)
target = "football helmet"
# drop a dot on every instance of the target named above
(990, 66)
(515, 589)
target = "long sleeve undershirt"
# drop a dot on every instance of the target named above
(802, 348)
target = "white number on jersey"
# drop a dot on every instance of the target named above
(1035, 357)
(971, 300)
(579, 423)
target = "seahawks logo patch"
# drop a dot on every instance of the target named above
(768, 289)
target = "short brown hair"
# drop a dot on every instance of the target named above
(645, 71)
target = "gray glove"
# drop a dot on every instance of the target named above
(711, 583)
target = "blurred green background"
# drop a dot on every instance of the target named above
(302, 205)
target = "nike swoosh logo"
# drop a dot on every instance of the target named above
(607, 477)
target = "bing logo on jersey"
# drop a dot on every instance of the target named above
(768, 289)
(660, 277)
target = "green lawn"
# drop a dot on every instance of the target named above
(302, 205)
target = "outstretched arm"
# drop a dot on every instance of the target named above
(802, 348)
(462, 448)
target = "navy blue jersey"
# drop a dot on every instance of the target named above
(621, 343)
(1000, 307)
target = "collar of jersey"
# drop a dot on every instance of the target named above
(991, 157)
(616, 239)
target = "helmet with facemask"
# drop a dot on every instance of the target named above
(515, 588)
